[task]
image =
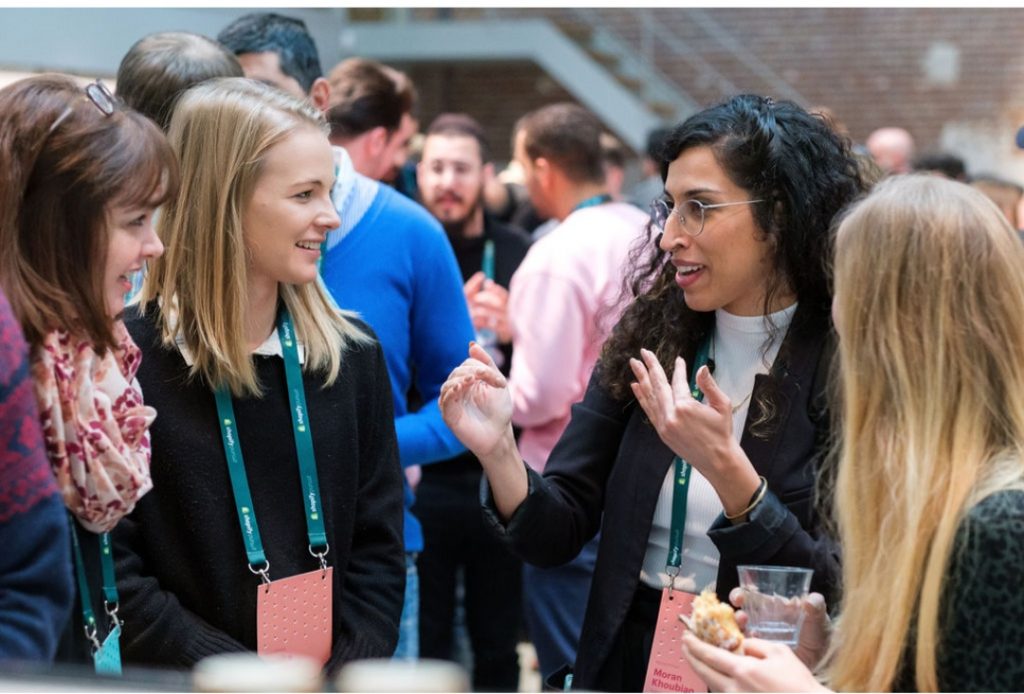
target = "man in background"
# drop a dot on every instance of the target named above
(892, 149)
(159, 68)
(452, 174)
(371, 114)
(563, 302)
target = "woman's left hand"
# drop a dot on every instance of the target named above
(764, 667)
(699, 433)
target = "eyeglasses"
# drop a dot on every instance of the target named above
(690, 213)
(99, 95)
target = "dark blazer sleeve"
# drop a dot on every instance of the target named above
(787, 528)
(563, 508)
(374, 584)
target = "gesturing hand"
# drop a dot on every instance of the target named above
(476, 404)
(700, 433)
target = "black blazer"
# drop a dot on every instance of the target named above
(608, 468)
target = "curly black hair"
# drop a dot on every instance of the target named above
(803, 173)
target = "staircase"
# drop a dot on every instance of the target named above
(629, 95)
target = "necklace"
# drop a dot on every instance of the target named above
(736, 408)
(711, 357)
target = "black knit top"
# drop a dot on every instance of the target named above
(186, 590)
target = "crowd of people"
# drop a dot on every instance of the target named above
(270, 386)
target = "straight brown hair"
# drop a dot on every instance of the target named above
(63, 164)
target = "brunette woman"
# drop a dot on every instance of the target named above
(733, 279)
(80, 178)
(929, 494)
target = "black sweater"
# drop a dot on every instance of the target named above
(186, 591)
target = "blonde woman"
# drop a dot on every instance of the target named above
(929, 294)
(275, 457)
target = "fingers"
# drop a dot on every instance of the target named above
(474, 284)
(701, 657)
(480, 354)
(736, 596)
(487, 316)
(814, 605)
(816, 611)
(680, 384)
(660, 386)
(759, 648)
(713, 395)
(643, 391)
(490, 299)
(478, 367)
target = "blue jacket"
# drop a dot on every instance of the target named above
(396, 268)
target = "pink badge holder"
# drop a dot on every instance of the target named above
(294, 615)
(668, 670)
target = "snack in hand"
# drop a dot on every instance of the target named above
(715, 622)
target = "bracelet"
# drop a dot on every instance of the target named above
(762, 489)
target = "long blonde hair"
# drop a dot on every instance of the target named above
(929, 287)
(221, 131)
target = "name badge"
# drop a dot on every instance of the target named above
(667, 670)
(294, 615)
(107, 659)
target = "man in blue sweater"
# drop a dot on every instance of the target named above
(390, 260)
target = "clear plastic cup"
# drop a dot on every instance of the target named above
(773, 601)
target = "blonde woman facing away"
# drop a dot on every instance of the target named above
(274, 456)
(929, 498)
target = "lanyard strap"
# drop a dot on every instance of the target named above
(683, 469)
(488, 265)
(593, 201)
(109, 584)
(303, 447)
(303, 438)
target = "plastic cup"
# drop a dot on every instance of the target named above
(773, 601)
(248, 672)
(388, 675)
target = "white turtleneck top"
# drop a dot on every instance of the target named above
(738, 349)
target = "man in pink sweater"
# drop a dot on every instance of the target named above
(563, 303)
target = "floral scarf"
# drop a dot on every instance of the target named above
(95, 425)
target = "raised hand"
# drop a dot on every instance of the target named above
(698, 432)
(476, 404)
(477, 407)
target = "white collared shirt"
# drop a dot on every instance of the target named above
(271, 347)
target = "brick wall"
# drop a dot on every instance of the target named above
(953, 77)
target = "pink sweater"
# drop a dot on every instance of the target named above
(563, 302)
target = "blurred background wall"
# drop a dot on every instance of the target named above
(953, 77)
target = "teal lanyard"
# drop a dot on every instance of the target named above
(488, 265)
(593, 201)
(318, 546)
(110, 599)
(681, 487)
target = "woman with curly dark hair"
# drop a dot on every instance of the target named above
(689, 479)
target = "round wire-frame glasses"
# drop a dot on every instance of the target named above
(690, 213)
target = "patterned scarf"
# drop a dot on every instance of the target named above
(95, 425)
